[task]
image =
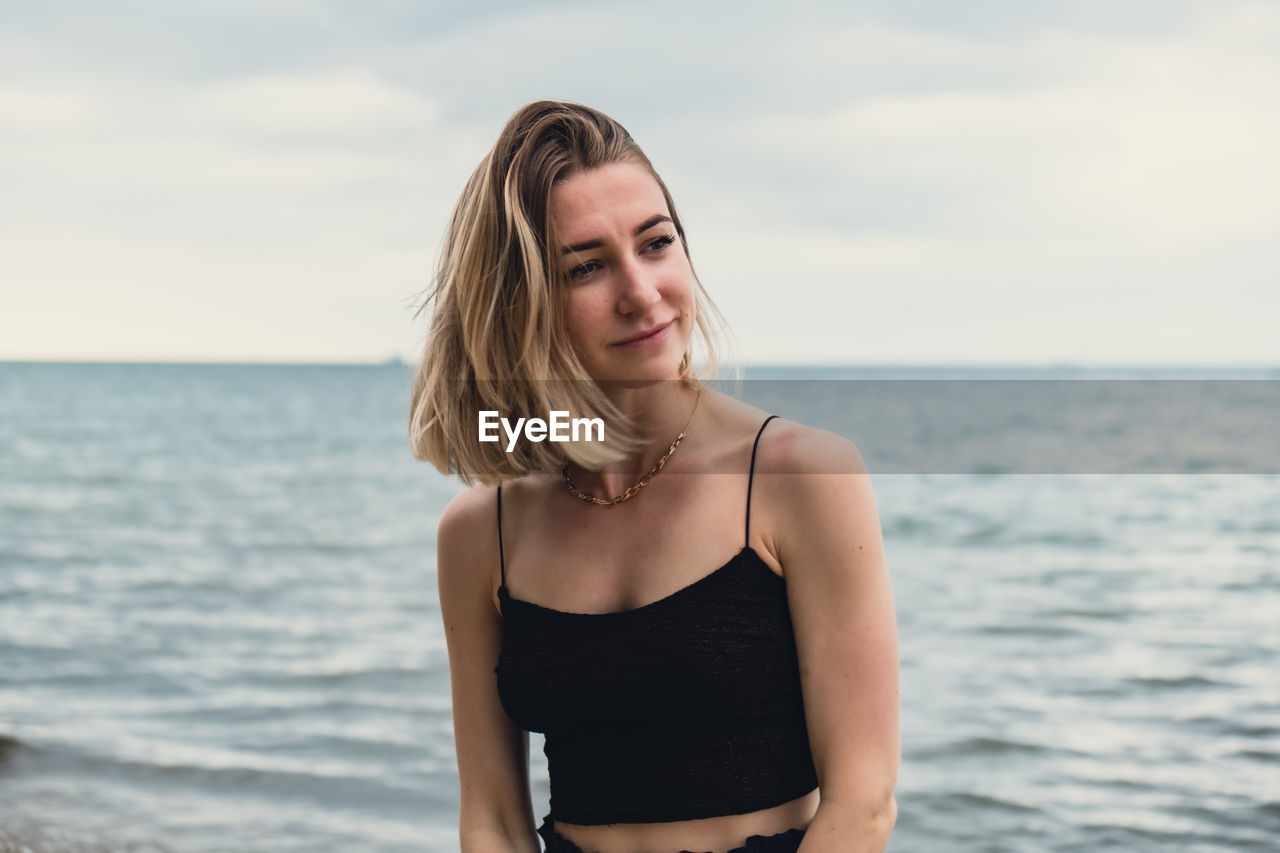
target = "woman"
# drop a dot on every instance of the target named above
(753, 707)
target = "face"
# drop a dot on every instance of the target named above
(630, 287)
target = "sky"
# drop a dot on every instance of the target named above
(888, 182)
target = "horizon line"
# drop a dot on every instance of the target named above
(796, 365)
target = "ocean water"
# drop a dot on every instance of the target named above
(219, 628)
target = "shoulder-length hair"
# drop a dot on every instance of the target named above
(498, 338)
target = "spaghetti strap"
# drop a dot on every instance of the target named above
(502, 560)
(750, 479)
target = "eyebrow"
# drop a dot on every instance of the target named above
(596, 244)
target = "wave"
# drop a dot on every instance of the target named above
(20, 833)
(329, 784)
(8, 747)
(982, 746)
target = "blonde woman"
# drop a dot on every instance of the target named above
(691, 603)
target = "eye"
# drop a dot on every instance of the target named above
(660, 244)
(583, 270)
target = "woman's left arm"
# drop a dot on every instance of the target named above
(828, 540)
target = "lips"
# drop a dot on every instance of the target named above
(651, 334)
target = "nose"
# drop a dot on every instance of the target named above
(639, 288)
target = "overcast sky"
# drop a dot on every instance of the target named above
(899, 181)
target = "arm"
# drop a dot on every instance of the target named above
(827, 536)
(496, 809)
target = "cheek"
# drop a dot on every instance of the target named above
(680, 280)
(681, 292)
(584, 318)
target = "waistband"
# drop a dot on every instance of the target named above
(783, 842)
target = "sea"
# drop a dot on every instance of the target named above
(220, 629)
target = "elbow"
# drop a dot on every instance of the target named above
(876, 821)
(888, 817)
(875, 825)
(864, 823)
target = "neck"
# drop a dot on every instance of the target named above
(660, 412)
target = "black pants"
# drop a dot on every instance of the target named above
(783, 842)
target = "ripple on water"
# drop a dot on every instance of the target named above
(980, 746)
(966, 800)
(1179, 683)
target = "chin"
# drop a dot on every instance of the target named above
(636, 380)
(640, 376)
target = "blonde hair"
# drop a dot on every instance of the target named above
(498, 339)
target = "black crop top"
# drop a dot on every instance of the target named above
(688, 707)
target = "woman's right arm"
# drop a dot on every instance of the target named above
(496, 809)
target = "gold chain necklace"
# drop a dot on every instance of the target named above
(644, 481)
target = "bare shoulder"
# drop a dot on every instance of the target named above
(791, 448)
(815, 496)
(467, 544)
(470, 511)
(785, 447)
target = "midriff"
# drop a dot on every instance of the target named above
(716, 834)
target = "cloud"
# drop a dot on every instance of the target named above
(342, 102)
(998, 158)
(42, 112)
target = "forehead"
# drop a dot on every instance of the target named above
(604, 200)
